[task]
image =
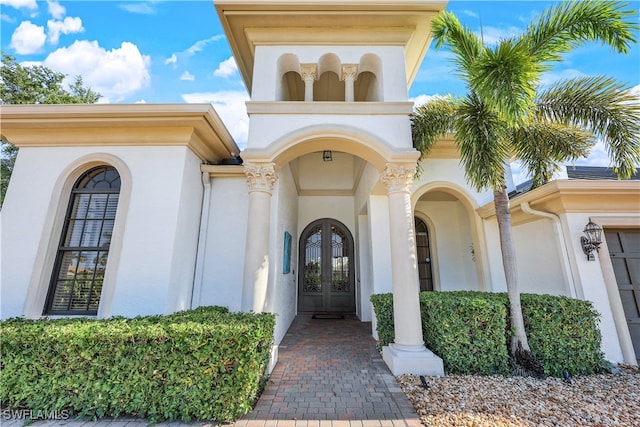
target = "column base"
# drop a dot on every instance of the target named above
(421, 362)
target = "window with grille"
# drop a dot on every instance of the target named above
(81, 260)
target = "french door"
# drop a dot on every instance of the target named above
(325, 271)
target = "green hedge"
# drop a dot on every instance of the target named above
(204, 364)
(470, 331)
(467, 331)
(563, 334)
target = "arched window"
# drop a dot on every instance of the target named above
(76, 283)
(424, 255)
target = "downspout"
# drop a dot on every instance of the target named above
(198, 276)
(569, 274)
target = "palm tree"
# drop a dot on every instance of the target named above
(507, 115)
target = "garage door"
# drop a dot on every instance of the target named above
(624, 250)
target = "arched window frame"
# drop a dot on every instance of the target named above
(99, 212)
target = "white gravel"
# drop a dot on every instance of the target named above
(475, 401)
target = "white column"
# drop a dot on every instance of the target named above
(309, 72)
(349, 72)
(406, 305)
(407, 355)
(261, 179)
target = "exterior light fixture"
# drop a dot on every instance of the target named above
(591, 240)
(326, 156)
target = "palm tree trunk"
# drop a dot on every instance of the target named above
(520, 354)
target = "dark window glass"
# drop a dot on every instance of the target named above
(76, 283)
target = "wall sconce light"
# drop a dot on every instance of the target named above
(326, 156)
(591, 240)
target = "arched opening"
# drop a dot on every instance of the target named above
(452, 240)
(328, 87)
(366, 87)
(292, 87)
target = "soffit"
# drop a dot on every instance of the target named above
(312, 176)
(248, 23)
(195, 125)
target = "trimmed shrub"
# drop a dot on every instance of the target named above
(383, 308)
(467, 331)
(204, 364)
(470, 331)
(563, 334)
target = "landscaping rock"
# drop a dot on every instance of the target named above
(477, 401)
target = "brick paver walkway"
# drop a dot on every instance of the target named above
(329, 374)
(329, 369)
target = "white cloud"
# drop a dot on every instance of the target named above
(518, 174)
(230, 106)
(141, 8)
(187, 76)
(470, 13)
(423, 99)
(115, 74)
(7, 18)
(28, 38)
(598, 156)
(551, 77)
(56, 9)
(20, 4)
(67, 26)
(199, 45)
(226, 68)
(192, 50)
(492, 35)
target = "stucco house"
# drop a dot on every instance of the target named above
(139, 209)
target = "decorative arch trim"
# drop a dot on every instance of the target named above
(341, 138)
(454, 189)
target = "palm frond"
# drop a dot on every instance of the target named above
(602, 106)
(506, 78)
(571, 23)
(431, 121)
(481, 136)
(542, 148)
(447, 30)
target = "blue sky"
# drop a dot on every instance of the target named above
(176, 51)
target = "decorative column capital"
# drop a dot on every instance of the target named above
(398, 178)
(309, 72)
(349, 71)
(260, 177)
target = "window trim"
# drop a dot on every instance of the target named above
(51, 229)
(62, 248)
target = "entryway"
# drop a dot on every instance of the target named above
(326, 276)
(331, 370)
(624, 251)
